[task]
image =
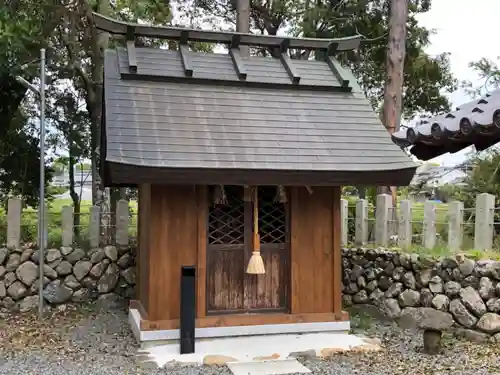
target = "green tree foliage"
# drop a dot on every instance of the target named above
(489, 72)
(24, 27)
(75, 59)
(72, 122)
(19, 161)
(482, 176)
(426, 77)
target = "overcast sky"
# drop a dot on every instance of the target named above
(468, 29)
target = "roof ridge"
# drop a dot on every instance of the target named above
(132, 30)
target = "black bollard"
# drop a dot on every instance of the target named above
(188, 308)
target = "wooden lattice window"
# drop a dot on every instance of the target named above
(226, 221)
(272, 217)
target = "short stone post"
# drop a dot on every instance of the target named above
(45, 230)
(14, 210)
(122, 220)
(405, 228)
(483, 231)
(344, 214)
(94, 226)
(67, 226)
(361, 237)
(429, 229)
(455, 222)
(382, 216)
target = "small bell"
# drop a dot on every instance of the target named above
(280, 194)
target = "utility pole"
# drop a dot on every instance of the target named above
(243, 22)
(395, 61)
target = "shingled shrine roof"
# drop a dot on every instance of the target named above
(474, 123)
(240, 119)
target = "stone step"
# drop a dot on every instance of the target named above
(268, 367)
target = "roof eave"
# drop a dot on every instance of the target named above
(120, 174)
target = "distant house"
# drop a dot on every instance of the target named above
(433, 175)
(428, 178)
(82, 178)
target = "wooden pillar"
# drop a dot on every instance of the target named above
(201, 270)
(337, 255)
(143, 253)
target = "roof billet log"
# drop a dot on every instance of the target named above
(131, 52)
(336, 70)
(238, 63)
(287, 62)
(234, 53)
(224, 37)
(184, 52)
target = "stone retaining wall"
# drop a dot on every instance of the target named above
(400, 284)
(70, 275)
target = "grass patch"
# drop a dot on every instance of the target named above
(417, 212)
(361, 320)
(444, 252)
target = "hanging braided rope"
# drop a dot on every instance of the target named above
(256, 263)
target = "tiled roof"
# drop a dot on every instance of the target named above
(474, 123)
(192, 124)
(186, 110)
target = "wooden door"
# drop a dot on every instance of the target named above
(229, 287)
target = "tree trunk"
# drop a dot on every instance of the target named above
(396, 49)
(243, 22)
(74, 196)
(393, 91)
(361, 192)
(98, 43)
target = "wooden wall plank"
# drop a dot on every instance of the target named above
(225, 278)
(312, 250)
(174, 243)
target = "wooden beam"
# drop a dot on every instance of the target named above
(337, 71)
(184, 52)
(287, 62)
(238, 63)
(237, 320)
(332, 49)
(184, 38)
(224, 37)
(131, 52)
(235, 41)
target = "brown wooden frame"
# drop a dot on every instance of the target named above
(313, 256)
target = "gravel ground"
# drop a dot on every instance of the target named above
(93, 341)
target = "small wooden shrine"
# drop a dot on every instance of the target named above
(239, 162)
